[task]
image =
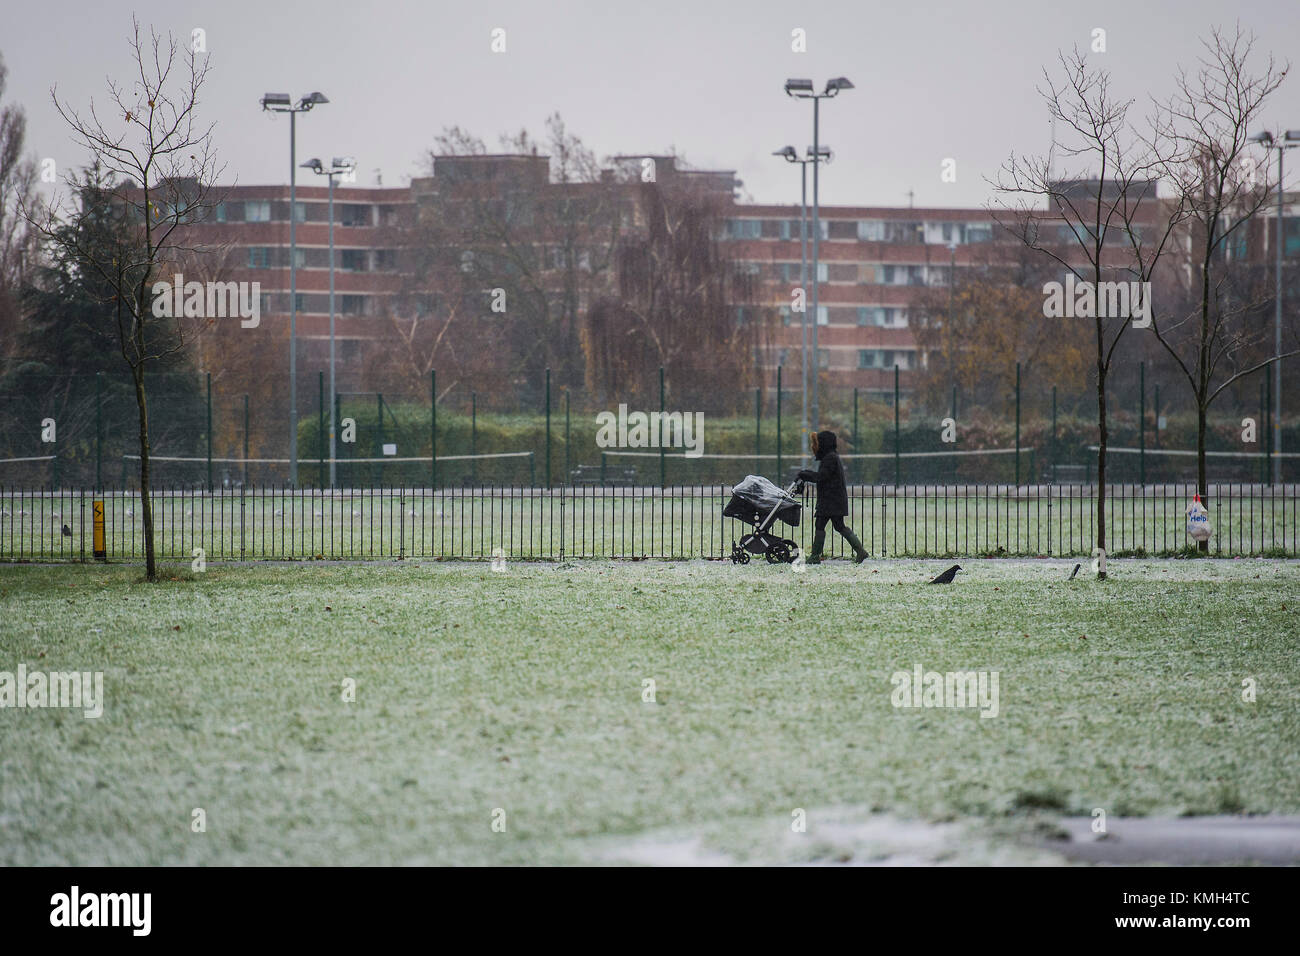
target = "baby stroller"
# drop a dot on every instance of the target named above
(758, 502)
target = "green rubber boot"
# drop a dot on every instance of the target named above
(819, 542)
(859, 554)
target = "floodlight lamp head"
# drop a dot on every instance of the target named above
(797, 87)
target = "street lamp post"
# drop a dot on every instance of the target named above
(791, 155)
(1289, 140)
(803, 89)
(338, 166)
(280, 103)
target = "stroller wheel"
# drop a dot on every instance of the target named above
(739, 555)
(778, 554)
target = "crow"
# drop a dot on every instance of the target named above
(947, 576)
(67, 532)
(1075, 571)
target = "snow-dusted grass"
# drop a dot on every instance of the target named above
(523, 691)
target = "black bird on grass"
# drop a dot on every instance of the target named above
(947, 576)
(67, 532)
(1075, 571)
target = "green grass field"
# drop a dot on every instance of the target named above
(523, 691)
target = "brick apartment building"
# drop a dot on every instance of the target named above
(875, 262)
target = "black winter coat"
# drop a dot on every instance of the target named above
(832, 493)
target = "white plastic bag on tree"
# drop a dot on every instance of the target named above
(1198, 520)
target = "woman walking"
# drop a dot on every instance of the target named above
(832, 497)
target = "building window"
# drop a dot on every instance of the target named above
(1290, 236)
(785, 315)
(887, 275)
(259, 211)
(868, 358)
(746, 228)
(947, 232)
(259, 257)
(354, 260)
(219, 213)
(823, 315)
(823, 272)
(300, 211)
(864, 315)
(823, 358)
(871, 230)
(979, 232)
(354, 214)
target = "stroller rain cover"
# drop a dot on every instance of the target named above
(755, 495)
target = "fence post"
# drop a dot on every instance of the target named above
(953, 413)
(1017, 424)
(758, 420)
(433, 428)
(379, 438)
(898, 466)
(1142, 424)
(548, 428)
(663, 473)
(99, 431)
(780, 477)
(473, 437)
(1267, 421)
(1156, 415)
(855, 420)
(320, 421)
(245, 438)
(566, 454)
(1053, 445)
(209, 433)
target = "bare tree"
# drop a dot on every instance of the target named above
(536, 231)
(1089, 211)
(159, 165)
(1208, 119)
(675, 304)
(17, 191)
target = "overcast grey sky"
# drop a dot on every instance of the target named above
(934, 80)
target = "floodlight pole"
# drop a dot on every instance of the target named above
(333, 387)
(1277, 331)
(816, 274)
(337, 167)
(293, 299)
(803, 287)
(803, 89)
(280, 103)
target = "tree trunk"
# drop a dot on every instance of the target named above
(146, 500)
(1103, 436)
(1202, 487)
